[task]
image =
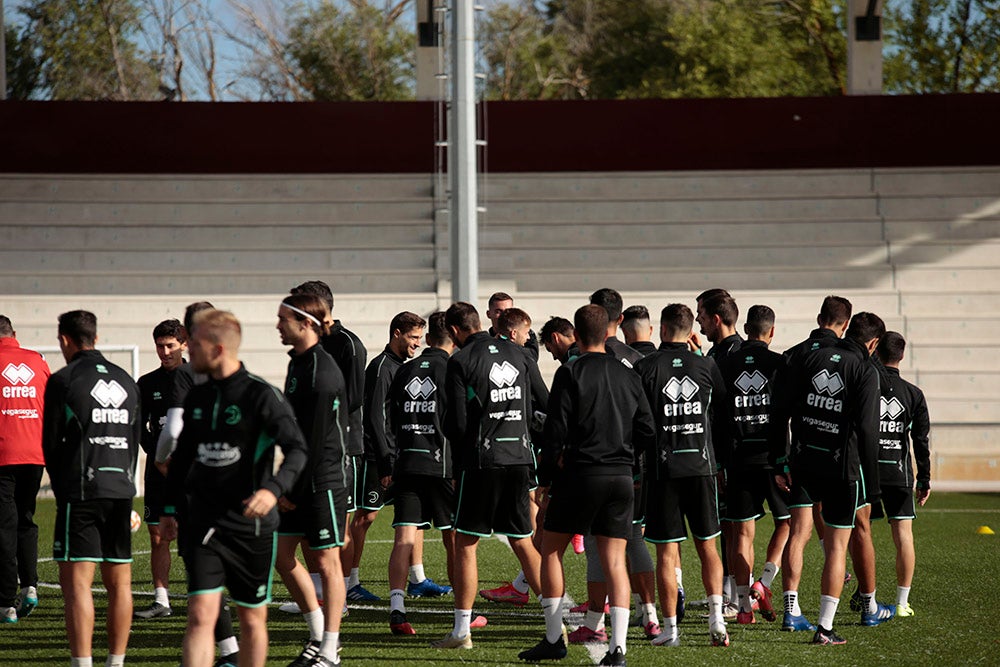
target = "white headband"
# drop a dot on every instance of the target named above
(302, 313)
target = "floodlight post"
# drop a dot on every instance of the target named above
(462, 165)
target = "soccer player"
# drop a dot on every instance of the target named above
(351, 357)
(316, 508)
(514, 324)
(598, 419)
(757, 424)
(422, 479)
(717, 315)
(687, 394)
(499, 302)
(487, 394)
(91, 442)
(224, 462)
(637, 330)
(557, 337)
(832, 320)
(904, 421)
(170, 339)
(833, 399)
(405, 331)
(23, 374)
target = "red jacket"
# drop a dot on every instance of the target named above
(23, 374)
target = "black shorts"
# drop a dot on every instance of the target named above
(670, 501)
(896, 504)
(371, 495)
(494, 501)
(746, 491)
(242, 563)
(595, 504)
(321, 519)
(99, 531)
(420, 500)
(351, 466)
(154, 494)
(841, 499)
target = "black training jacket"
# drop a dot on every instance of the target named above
(644, 347)
(821, 337)
(489, 405)
(903, 420)
(379, 447)
(726, 347)
(756, 422)
(314, 387)
(351, 356)
(155, 390)
(91, 430)
(225, 452)
(686, 393)
(833, 401)
(598, 420)
(416, 416)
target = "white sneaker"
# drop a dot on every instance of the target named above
(9, 615)
(290, 608)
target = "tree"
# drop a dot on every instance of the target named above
(86, 50)
(942, 46)
(23, 73)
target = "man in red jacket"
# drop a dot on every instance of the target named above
(23, 374)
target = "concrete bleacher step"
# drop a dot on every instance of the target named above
(214, 188)
(240, 237)
(917, 230)
(959, 181)
(957, 279)
(937, 206)
(964, 253)
(675, 185)
(925, 303)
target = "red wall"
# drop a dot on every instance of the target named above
(397, 137)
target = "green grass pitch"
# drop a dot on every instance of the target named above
(955, 595)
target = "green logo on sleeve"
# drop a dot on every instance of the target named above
(233, 415)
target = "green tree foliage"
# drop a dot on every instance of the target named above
(23, 75)
(942, 46)
(353, 52)
(664, 48)
(85, 50)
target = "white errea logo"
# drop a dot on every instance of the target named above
(891, 408)
(504, 376)
(826, 383)
(419, 388)
(676, 389)
(110, 395)
(751, 383)
(19, 375)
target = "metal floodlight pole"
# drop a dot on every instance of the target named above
(462, 156)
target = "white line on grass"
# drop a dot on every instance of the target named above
(572, 621)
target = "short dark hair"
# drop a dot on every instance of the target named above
(80, 326)
(170, 329)
(760, 320)
(864, 327)
(638, 312)
(835, 310)
(317, 288)
(463, 316)
(709, 293)
(610, 300)
(193, 310)
(437, 330)
(510, 319)
(6, 328)
(555, 324)
(499, 296)
(724, 306)
(676, 318)
(891, 347)
(405, 322)
(591, 324)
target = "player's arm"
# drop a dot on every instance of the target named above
(643, 431)
(377, 420)
(54, 431)
(719, 416)
(457, 397)
(560, 412)
(867, 411)
(278, 422)
(920, 432)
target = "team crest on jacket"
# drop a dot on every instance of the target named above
(420, 388)
(830, 384)
(19, 375)
(890, 409)
(685, 389)
(748, 382)
(110, 396)
(504, 376)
